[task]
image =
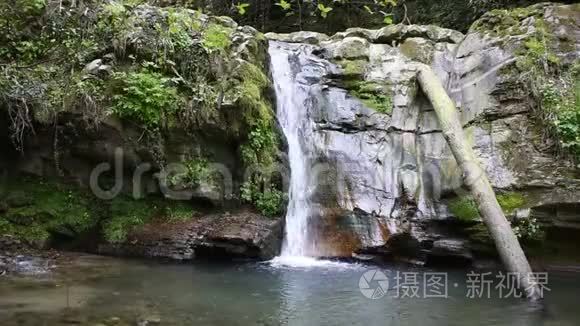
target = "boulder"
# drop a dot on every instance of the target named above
(228, 235)
(298, 37)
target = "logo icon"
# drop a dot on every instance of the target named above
(373, 284)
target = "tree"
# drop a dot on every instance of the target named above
(476, 180)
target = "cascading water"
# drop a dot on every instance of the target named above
(319, 220)
(367, 156)
(291, 96)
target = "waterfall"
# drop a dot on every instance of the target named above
(320, 219)
(291, 97)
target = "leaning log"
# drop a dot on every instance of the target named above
(477, 182)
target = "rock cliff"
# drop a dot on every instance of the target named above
(378, 130)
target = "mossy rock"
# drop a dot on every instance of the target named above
(506, 22)
(353, 68)
(58, 209)
(157, 71)
(465, 209)
(374, 95)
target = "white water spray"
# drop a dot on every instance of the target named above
(291, 99)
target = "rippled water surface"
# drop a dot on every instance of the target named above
(103, 291)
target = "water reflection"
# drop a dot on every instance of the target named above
(260, 294)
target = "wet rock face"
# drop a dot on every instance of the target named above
(215, 236)
(395, 162)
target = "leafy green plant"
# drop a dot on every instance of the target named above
(554, 85)
(564, 104)
(178, 25)
(242, 7)
(268, 201)
(144, 96)
(197, 172)
(324, 10)
(260, 147)
(285, 5)
(528, 229)
(216, 38)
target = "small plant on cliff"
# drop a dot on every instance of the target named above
(179, 25)
(564, 103)
(216, 38)
(196, 172)
(260, 148)
(528, 229)
(268, 201)
(554, 85)
(144, 96)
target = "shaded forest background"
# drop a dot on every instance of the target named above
(268, 15)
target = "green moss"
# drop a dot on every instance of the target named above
(262, 143)
(553, 84)
(251, 93)
(260, 149)
(353, 67)
(373, 95)
(465, 209)
(511, 201)
(178, 211)
(126, 214)
(501, 22)
(36, 208)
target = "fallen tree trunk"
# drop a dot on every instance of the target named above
(476, 180)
